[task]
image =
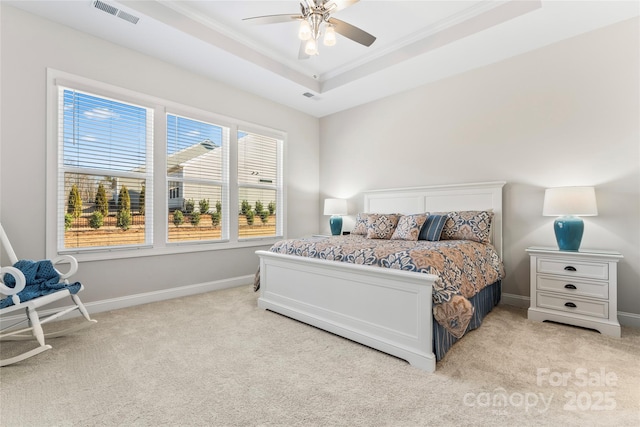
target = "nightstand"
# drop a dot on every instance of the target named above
(577, 288)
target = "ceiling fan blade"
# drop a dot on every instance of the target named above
(273, 19)
(339, 4)
(351, 32)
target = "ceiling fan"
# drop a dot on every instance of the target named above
(316, 14)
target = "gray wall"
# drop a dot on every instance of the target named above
(566, 114)
(29, 45)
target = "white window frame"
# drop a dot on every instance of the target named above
(147, 175)
(158, 193)
(225, 184)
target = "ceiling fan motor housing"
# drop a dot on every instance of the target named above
(313, 14)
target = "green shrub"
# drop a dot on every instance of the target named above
(204, 206)
(219, 207)
(272, 207)
(215, 219)
(124, 201)
(259, 207)
(75, 202)
(264, 216)
(178, 218)
(245, 207)
(194, 218)
(123, 218)
(96, 220)
(102, 204)
(68, 221)
(189, 206)
(250, 217)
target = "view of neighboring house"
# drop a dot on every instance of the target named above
(195, 161)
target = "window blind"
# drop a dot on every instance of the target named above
(197, 180)
(259, 185)
(104, 169)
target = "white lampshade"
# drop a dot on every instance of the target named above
(578, 201)
(304, 32)
(335, 207)
(329, 36)
(311, 48)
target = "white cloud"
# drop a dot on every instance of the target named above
(101, 114)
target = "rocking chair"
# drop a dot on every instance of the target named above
(31, 300)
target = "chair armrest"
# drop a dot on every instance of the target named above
(66, 259)
(21, 282)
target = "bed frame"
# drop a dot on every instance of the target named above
(386, 309)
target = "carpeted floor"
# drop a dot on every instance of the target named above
(217, 360)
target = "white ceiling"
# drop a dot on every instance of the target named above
(417, 41)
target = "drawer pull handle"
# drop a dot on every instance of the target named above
(570, 268)
(570, 304)
(570, 286)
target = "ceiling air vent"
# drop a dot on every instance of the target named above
(128, 17)
(105, 7)
(308, 94)
(115, 11)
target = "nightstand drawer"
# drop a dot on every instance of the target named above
(573, 305)
(573, 287)
(587, 270)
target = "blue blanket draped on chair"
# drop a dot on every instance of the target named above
(42, 279)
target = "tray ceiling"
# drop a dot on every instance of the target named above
(417, 41)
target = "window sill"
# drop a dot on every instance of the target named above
(170, 249)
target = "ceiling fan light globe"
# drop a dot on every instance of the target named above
(311, 48)
(304, 32)
(329, 36)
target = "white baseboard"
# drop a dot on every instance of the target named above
(165, 294)
(515, 300)
(629, 319)
(144, 298)
(625, 319)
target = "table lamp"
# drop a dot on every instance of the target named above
(335, 208)
(568, 204)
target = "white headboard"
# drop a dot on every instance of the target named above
(442, 198)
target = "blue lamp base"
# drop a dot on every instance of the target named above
(335, 222)
(568, 231)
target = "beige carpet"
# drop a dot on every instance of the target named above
(218, 360)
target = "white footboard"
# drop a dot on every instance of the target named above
(386, 309)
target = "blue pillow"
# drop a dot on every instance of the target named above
(432, 228)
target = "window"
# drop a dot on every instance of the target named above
(103, 171)
(198, 179)
(258, 184)
(221, 184)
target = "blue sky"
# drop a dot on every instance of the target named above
(183, 133)
(104, 134)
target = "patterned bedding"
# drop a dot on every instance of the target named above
(463, 267)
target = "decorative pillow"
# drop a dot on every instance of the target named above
(432, 228)
(409, 227)
(381, 226)
(361, 224)
(468, 225)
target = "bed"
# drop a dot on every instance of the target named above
(388, 309)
